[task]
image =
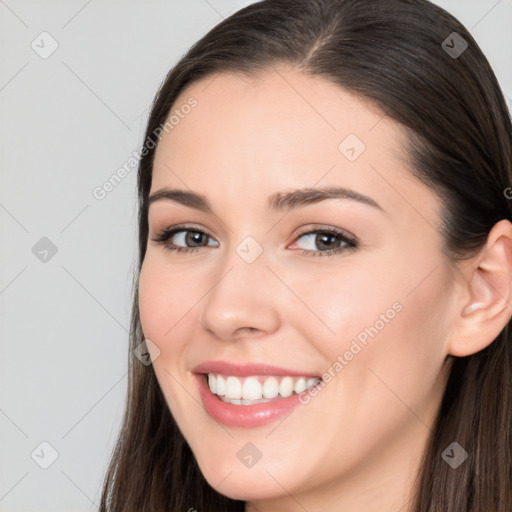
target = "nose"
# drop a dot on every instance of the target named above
(243, 301)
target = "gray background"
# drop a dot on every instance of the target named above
(68, 122)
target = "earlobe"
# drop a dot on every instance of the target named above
(489, 286)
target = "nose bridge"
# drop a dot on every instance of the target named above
(239, 299)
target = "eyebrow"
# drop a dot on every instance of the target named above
(280, 201)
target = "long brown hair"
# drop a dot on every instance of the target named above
(393, 53)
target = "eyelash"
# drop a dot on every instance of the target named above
(351, 243)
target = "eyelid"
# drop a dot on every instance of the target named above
(182, 227)
(324, 227)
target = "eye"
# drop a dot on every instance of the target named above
(326, 239)
(183, 234)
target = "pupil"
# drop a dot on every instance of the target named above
(193, 235)
(324, 236)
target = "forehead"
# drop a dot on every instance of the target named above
(282, 129)
(280, 109)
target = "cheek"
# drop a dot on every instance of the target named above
(342, 305)
(377, 317)
(158, 310)
(161, 306)
(400, 328)
(164, 299)
(151, 296)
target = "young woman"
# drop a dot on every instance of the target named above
(325, 280)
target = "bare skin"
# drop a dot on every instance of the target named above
(357, 445)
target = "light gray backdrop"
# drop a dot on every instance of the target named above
(76, 81)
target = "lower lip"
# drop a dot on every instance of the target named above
(245, 416)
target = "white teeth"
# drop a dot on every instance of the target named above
(252, 389)
(311, 382)
(212, 383)
(257, 389)
(244, 402)
(270, 387)
(233, 388)
(300, 385)
(220, 385)
(286, 387)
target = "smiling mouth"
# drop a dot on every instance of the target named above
(255, 389)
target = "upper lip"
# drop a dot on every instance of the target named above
(245, 369)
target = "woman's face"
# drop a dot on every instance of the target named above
(259, 287)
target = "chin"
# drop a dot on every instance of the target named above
(240, 483)
(246, 488)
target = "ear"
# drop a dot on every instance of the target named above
(486, 306)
